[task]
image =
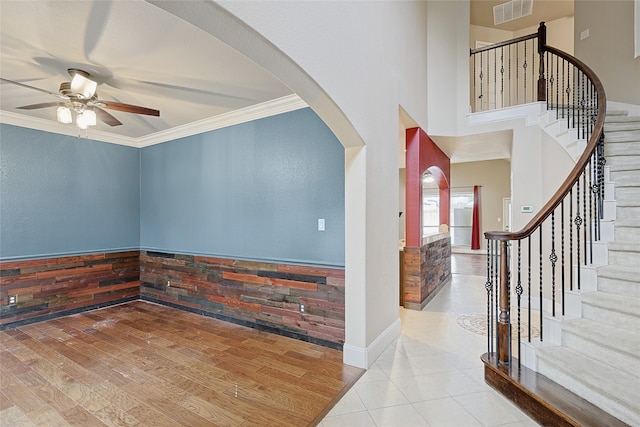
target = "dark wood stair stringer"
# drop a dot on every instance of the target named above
(542, 399)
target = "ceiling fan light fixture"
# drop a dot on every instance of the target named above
(64, 115)
(85, 119)
(83, 86)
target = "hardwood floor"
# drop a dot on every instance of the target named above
(142, 364)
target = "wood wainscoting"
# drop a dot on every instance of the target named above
(261, 295)
(52, 287)
(145, 364)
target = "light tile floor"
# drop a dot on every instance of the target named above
(432, 375)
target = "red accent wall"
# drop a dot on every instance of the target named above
(422, 154)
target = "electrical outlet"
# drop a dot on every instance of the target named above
(168, 283)
(13, 299)
(301, 308)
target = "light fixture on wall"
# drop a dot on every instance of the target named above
(427, 177)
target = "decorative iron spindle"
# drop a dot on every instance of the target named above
(502, 76)
(591, 221)
(585, 213)
(578, 223)
(524, 73)
(540, 282)
(519, 295)
(562, 250)
(529, 284)
(571, 239)
(553, 258)
(489, 287)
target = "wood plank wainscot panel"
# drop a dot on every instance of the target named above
(426, 270)
(261, 295)
(53, 287)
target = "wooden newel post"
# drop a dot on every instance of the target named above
(542, 43)
(504, 330)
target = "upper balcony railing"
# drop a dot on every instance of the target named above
(547, 252)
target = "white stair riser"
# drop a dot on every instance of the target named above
(610, 211)
(607, 231)
(572, 305)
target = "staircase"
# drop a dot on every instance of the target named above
(599, 355)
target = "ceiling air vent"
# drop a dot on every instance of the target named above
(511, 10)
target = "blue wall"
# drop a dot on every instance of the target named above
(252, 191)
(62, 195)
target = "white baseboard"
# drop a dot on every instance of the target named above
(361, 357)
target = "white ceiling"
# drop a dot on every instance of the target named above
(139, 54)
(142, 55)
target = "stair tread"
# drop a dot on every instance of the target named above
(627, 223)
(620, 386)
(621, 270)
(625, 246)
(621, 340)
(613, 302)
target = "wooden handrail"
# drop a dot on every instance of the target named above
(504, 43)
(582, 162)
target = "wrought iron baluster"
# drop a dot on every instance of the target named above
(498, 290)
(585, 213)
(502, 76)
(489, 288)
(592, 222)
(563, 104)
(578, 223)
(553, 258)
(519, 295)
(568, 90)
(481, 76)
(562, 249)
(517, 73)
(533, 72)
(495, 77)
(529, 286)
(571, 239)
(540, 281)
(524, 72)
(475, 97)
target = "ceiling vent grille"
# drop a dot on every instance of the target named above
(511, 10)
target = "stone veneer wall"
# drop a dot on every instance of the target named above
(426, 270)
(54, 287)
(261, 295)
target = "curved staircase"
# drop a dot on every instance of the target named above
(599, 355)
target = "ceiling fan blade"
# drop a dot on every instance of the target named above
(42, 105)
(33, 87)
(127, 108)
(106, 117)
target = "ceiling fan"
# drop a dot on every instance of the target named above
(79, 95)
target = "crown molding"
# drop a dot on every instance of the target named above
(265, 109)
(243, 115)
